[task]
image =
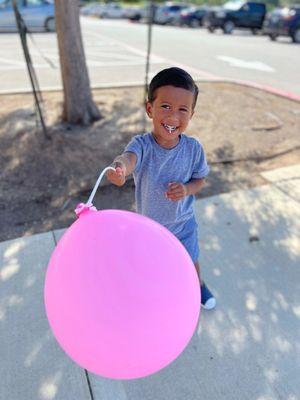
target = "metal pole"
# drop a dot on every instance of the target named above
(33, 79)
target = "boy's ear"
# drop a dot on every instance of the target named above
(148, 107)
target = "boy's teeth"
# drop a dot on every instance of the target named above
(170, 128)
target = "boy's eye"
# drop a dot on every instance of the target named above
(183, 109)
(165, 106)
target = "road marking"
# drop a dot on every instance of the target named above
(11, 62)
(110, 54)
(236, 62)
(154, 58)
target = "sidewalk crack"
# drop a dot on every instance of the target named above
(89, 384)
(285, 192)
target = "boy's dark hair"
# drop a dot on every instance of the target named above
(174, 77)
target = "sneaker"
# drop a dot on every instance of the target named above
(207, 299)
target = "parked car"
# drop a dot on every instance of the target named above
(112, 10)
(92, 9)
(129, 11)
(37, 14)
(168, 14)
(236, 14)
(283, 22)
(193, 16)
(142, 13)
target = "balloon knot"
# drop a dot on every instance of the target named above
(82, 208)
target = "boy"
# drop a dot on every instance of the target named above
(168, 167)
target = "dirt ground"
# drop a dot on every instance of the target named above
(244, 131)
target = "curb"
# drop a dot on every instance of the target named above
(264, 88)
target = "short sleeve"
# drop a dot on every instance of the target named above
(201, 168)
(136, 146)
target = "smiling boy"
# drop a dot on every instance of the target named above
(168, 167)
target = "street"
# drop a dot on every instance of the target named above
(116, 56)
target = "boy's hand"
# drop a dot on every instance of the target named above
(177, 191)
(117, 177)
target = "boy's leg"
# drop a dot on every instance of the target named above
(207, 299)
(197, 266)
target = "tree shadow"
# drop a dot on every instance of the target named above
(32, 364)
(44, 178)
(248, 346)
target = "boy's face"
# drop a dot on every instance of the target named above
(170, 112)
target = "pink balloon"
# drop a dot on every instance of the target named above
(121, 294)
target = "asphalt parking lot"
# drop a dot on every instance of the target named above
(116, 54)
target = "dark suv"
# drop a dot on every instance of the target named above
(236, 14)
(283, 22)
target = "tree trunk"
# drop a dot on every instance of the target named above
(79, 107)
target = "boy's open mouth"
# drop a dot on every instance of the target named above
(170, 128)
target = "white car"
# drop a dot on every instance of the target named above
(112, 10)
(92, 9)
(37, 14)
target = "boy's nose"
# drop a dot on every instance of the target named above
(173, 119)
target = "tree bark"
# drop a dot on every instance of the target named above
(79, 107)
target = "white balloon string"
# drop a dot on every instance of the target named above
(92, 195)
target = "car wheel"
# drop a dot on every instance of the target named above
(228, 27)
(175, 22)
(211, 29)
(296, 36)
(194, 23)
(50, 24)
(254, 31)
(273, 36)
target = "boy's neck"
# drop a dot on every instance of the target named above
(166, 144)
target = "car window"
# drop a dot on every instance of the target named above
(233, 5)
(4, 3)
(200, 12)
(255, 7)
(175, 8)
(34, 2)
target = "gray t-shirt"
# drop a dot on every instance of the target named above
(155, 168)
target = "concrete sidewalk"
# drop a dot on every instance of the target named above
(247, 348)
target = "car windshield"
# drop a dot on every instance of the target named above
(233, 5)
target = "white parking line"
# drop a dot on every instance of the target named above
(236, 62)
(11, 62)
(120, 55)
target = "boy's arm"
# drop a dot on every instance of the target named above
(124, 165)
(194, 186)
(178, 191)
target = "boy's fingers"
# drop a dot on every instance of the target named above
(176, 196)
(173, 185)
(119, 171)
(175, 190)
(115, 176)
